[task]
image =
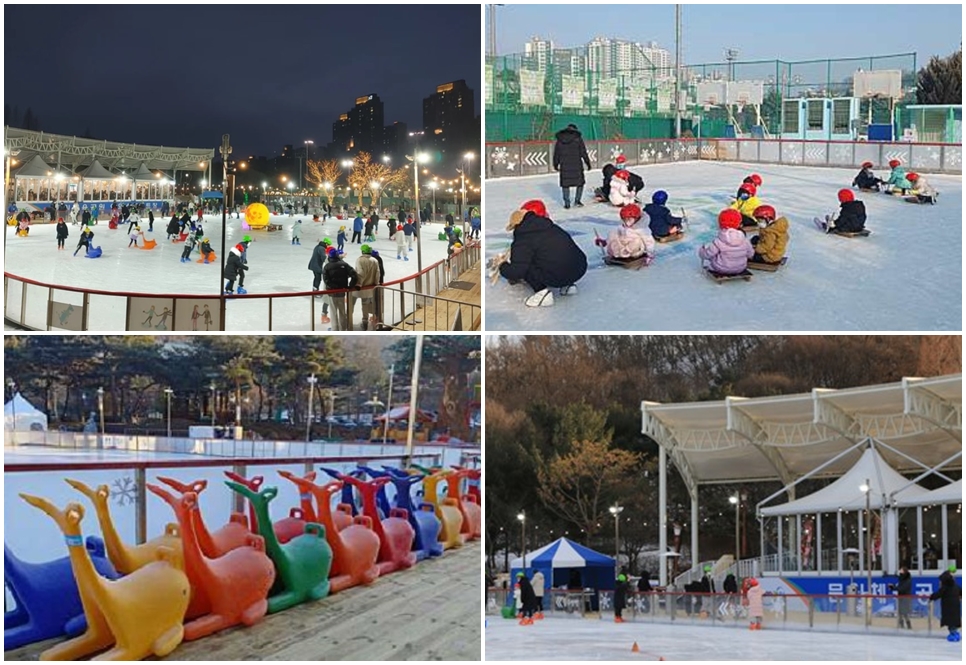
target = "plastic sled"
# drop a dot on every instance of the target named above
(721, 278)
(302, 565)
(422, 516)
(631, 264)
(211, 258)
(112, 225)
(395, 533)
(468, 505)
(348, 499)
(48, 602)
(342, 517)
(126, 559)
(94, 252)
(447, 510)
(138, 615)
(235, 585)
(149, 244)
(217, 543)
(355, 549)
(181, 238)
(674, 237)
(864, 233)
(286, 528)
(767, 267)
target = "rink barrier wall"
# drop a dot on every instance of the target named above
(802, 612)
(28, 303)
(536, 157)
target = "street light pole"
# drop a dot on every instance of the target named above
(100, 408)
(385, 432)
(308, 421)
(616, 511)
(307, 143)
(736, 502)
(466, 157)
(522, 516)
(867, 489)
(168, 393)
(418, 158)
(225, 151)
(212, 386)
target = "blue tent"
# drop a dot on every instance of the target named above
(564, 563)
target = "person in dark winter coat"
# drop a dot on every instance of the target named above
(903, 590)
(543, 255)
(949, 596)
(357, 227)
(528, 599)
(150, 220)
(317, 263)
(86, 240)
(382, 280)
(662, 223)
(86, 217)
(568, 154)
(620, 597)
(235, 268)
(61, 233)
(338, 274)
(603, 192)
(866, 178)
(851, 215)
(644, 586)
(174, 227)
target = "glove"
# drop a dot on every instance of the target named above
(600, 242)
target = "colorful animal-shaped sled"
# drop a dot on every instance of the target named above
(472, 528)
(422, 516)
(285, 528)
(447, 510)
(213, 543)
(395, 533)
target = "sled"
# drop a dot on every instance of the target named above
(823, 227)
(149, 244)
(915, 199)
(274, 227)
(181, 238)
(721, 278)
(869, 189)
(631, 264)
(674, 237)
(211, 258)
(767, 267)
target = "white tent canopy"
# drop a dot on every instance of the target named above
(844, 493)
(20, 415)
(951, 493)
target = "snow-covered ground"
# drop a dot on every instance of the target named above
(906, 276)
(587, 639)
(276, 266)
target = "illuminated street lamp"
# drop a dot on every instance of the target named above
(212, 387)
(522, 516)
(434, 186)
(307, 143)
(168, 393)
(100, 408)
(467, 157)
(308, 424)
(417, 159)
(616, 511)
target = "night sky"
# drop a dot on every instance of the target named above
(154, 74)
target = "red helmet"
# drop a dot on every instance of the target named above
(620, 159)
(912, 177)
(535, 206)
(631, 211)
(846, 195)
(748, 187)
(765, 212)
(622, 174)
(894, 163)
(753, 582)
(754, 179)
(867, 165)
(729, 218)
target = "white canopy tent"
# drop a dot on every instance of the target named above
(20, 415)
(916, 425)
(947, 494)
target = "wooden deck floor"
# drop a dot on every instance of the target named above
(431, 612)
(440, 315)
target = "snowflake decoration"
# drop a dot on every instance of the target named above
(498, 156)
(124, 491)
(615, 152)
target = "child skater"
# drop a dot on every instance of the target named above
(297, 232)
(61, 233)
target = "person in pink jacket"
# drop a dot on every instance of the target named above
(756, 609)
(620, 192)
(728, 254)
(626, 243)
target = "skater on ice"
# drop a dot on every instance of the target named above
(626, 244)
(543, 255)
(662, 223)
(340, 238)
(173, 228)
(409, 230)
(297, 232)
(189, 246)
(357, 227)
(61, 233)
(950, 601)
(401, 252)
(772, 239)
(207, 253)
(133, 235)
(729, 252)
(86, 238)
(620, 597)
(866, 180)
(528, 600)
(236, 266)
(367, 271)
(569, 156)
(756, 605)
(849, 219)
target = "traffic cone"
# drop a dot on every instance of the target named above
(635, 648)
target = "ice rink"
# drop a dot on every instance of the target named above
(574, 639)
(276, 265)
(906, 276)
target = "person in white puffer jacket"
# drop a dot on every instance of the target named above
(620, 193)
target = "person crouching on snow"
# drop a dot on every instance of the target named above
(626, 243)
(543, 255)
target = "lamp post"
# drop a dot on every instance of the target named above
(100, 409)
(616, 511)
(418, 158)
(434, 185)
(212, 387)
(307, 143)
(13, 402)
(736, 502)
(522, 516)
(385, 431)
(225, 150)
(866, 488)
(168, 393)
(308, 421)
(468, 157)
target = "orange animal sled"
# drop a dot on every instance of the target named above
(211, 258)
(149, 244)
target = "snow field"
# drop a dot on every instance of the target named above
(906, 276)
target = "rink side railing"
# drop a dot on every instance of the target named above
(536, 157)
(30, 303)
(818, 613)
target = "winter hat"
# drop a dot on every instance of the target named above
(894, 163)
(246, 238)
(729, 218)
(206, 240)
(298, 221)
(516, 217)
(630, 214)
(622, 174)
(457, 245)
(765, 212)
(748, 187)
(659, 197)
(707, 569)
(753, 582)
(912, 177)
(342, 228)
(375, 253)
(952, 568)
(332, 251)
(846, 195)
(867, 165)
(621, 159)
(366, 249)
(60, 219)
(326, 242)
(622, 577)
(520, 575)
(399, 227)
(535, 206)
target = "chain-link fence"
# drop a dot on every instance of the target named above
(531, 96)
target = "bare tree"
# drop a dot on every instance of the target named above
(325, 172)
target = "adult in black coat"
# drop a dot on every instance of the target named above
(851, 217)
(382, 280)
(317, 263)
(568, 154)
(604, 190)
(338, 274)
(542, 254)
(644, 586)
(949, 596)
(86, 217)
(528, 597)
(620, 597)
(903, 590)
(174, 227)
